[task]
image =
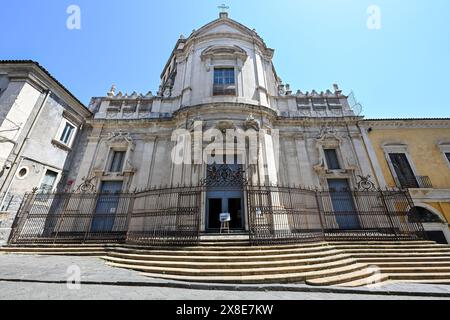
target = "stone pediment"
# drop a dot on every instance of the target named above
(224, 52)
(221, 26)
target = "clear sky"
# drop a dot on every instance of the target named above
(400, 70)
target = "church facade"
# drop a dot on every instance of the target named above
(223, 135)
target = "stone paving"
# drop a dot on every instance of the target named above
(46, 277)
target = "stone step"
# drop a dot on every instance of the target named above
(232, 236)
(407, 259)
(399, 250)
(412, 264)
(358, 275)
(370, 281)
(419, 277)
(263, 278)
(60, 253)
(392, 242)
(51, 249)
(232, 265)
(393, 246)
(222, 246)
(193, 270)
(378, 255)
(226, 247)
(423, 281)
(225, 258)
(227, 251)
(60, 245)
(416, 269)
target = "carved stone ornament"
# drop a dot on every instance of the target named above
(251, 123)
(167, 92)
(120, 137)
(225, 125)
(366, 184)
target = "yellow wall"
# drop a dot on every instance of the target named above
(443, 207)
(423, 147)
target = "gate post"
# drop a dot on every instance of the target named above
(20, 218)
(132, 198)
(319, 211)
(386, 210)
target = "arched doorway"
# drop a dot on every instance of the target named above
(435, 228)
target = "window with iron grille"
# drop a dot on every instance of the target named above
(332, 159)
(117, 161)
(224, 81)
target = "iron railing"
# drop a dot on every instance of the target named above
(288, 214)
(414, 182)
(171, 216)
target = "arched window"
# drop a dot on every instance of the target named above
(419, 214)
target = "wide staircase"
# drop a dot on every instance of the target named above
(233, 260)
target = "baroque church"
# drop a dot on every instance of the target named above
(260, 163)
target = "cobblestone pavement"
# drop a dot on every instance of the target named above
(46, 277)
(18, 291)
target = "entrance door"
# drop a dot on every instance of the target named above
(343, 204)
(225, 202)
(106, 208)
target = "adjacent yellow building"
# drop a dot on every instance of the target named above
(415, 154)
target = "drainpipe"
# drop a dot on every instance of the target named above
(27, 137)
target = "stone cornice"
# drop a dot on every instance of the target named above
(31, 72)
(226, 106)
(319, 121)
(407, 123)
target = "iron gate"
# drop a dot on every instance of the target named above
(289, 214)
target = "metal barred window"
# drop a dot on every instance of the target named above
(224, 81)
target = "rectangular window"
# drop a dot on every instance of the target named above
(448, 156)
(117, 160)
(67, 133)
(48, 182)
(332, 159)
(224, 81)
(403, 170)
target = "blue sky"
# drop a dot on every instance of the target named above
(401, 70)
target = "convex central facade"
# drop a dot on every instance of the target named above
(221, 80)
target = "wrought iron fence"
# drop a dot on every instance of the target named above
(72, 217)
(171, 215)
(159, 216)
(166, 216)
(283, 214)
(288, 214)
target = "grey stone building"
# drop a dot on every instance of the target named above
(222, 77)
(222, 135)
(40, 125)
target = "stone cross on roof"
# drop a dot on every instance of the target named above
(223, 14)
(223, 7)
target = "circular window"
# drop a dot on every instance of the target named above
(22, 173)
